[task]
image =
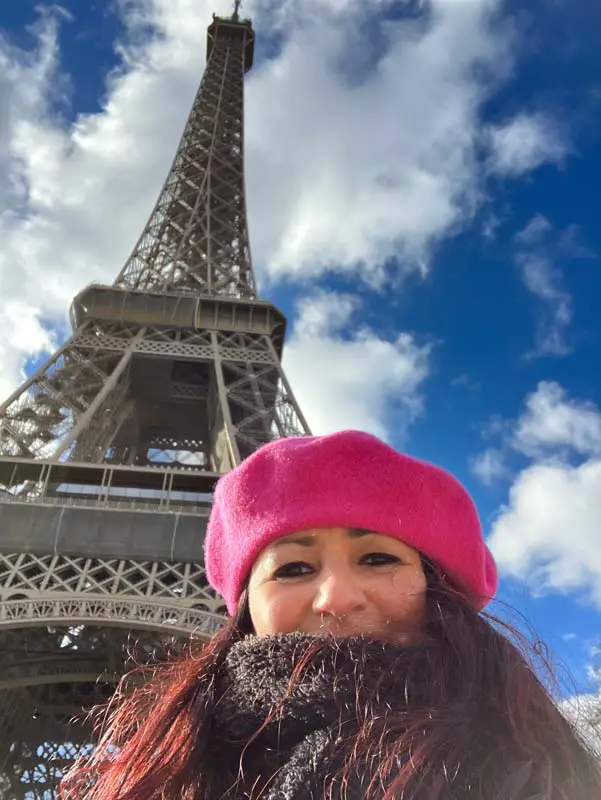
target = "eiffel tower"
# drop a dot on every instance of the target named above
(110, 450)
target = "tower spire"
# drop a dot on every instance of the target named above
(237, 4)
(196, 239)
(109, 452)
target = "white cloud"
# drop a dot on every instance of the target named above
(548, 533)
(544, 280)
(343, 171)
(542, 277)
(285, 14)
(489, 466)
(24, 335)
(86, 189)
(525, 143)
(570, 245)
(535, 231)
(464, 381)
(551, 421)
(380, 167)
(361, 381)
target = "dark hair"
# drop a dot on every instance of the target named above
(486, 716)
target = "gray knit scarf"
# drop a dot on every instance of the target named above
(292, 738)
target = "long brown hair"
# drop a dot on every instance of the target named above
(485, 728)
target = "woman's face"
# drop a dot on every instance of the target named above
(343, 581)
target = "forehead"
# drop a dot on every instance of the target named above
(312, 536)
(322, 537)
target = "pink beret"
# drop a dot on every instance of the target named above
(346, 479)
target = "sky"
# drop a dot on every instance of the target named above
(422, 188)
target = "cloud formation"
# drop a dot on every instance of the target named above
(536, 257)
(359, 381)
(548, 536)
(553, 422)
(378, 167)
(524, 143)
(489, 466)
(350, 161)
(548, 533)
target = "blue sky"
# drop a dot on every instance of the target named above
(423, 187)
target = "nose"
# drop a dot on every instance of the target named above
(338, 594)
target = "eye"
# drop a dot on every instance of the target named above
(295, 569)
(379, 559)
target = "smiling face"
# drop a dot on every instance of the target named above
(344, 581)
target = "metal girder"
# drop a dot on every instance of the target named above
(107, 394)
(118, 613)
(110, 450)
(196, 239)
(85, 587)
(68, 629)
(59, 673)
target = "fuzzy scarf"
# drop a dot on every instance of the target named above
(286, 739)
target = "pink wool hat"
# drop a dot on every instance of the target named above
(346, 479)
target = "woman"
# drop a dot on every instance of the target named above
(356, 661)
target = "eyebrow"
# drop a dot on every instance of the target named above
(309, 541)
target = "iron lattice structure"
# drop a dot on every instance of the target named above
(109, 452)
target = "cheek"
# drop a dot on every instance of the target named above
(275, 609)
(405, 596)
